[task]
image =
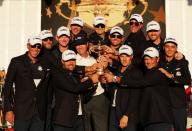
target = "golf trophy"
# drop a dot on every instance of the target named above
(98, 50)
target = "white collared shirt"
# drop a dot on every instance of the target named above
(89, 61)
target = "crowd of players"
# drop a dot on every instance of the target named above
(101, 82)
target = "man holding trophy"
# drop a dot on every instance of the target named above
(96, 105)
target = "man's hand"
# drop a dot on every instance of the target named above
(166, 73)
(178, 56)
(9, 116)
(91, 69)
(94, 78)
(109, 77)
(123, 121)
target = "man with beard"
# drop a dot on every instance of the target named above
(67, 115)
(153, 30)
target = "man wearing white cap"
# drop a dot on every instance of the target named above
(76, 27)
(27, 109)
(47, 47)
(47, 39)
(155, 106)
(67, 114)
(96, 104)
(63, 39)
(99, 35)
(136, 38)
(124, 114)
(116, 37)
(153, 30)
(177, 71)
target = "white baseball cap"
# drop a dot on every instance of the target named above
(136, 17)
(45, 34)
(99, 20)
(151, 52)
(117, 29)
(77, 21)
(68, 55)
(153, 25)
(35, 39)
(125, 49)
(63, 31)
(170, 40)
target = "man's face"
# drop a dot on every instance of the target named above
(100, 29)
(170, 49)
(69, 65)
(154, 35)
(135, 26)
(63, 40)
(115, 39)
(82, 49)
(151, 62)
(48, 43)
(125, 60)
(75, 29)
(34, 50)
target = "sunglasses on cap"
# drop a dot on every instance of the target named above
(116, 36)
(134, 23)
(38, 46)
(100, 25)
(48, 38)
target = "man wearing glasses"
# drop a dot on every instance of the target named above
(47, 39)
(136, 39)
(99, 35)
(26, 104)
(116, 37)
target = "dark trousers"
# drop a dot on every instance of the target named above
(78, 126)
(159, 127)
(33, 124)
(114, 123)
(96, 113)
(180, 119)
(48, 123)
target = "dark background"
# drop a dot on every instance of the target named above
(156, 11)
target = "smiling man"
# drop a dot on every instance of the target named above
(96, 107)
(76, 28)
(26, 107)
(67, 114)
(155, 107)
(99, 35)
(136, 39)
(124, 113)
(153, 30)
(177, 71)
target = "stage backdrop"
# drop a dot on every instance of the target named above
(56, 13)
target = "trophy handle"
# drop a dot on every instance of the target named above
(71, 5)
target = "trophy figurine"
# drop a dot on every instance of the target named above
(98, 50)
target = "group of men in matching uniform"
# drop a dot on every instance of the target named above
(100, 82)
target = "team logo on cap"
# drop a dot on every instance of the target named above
(78, 38)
